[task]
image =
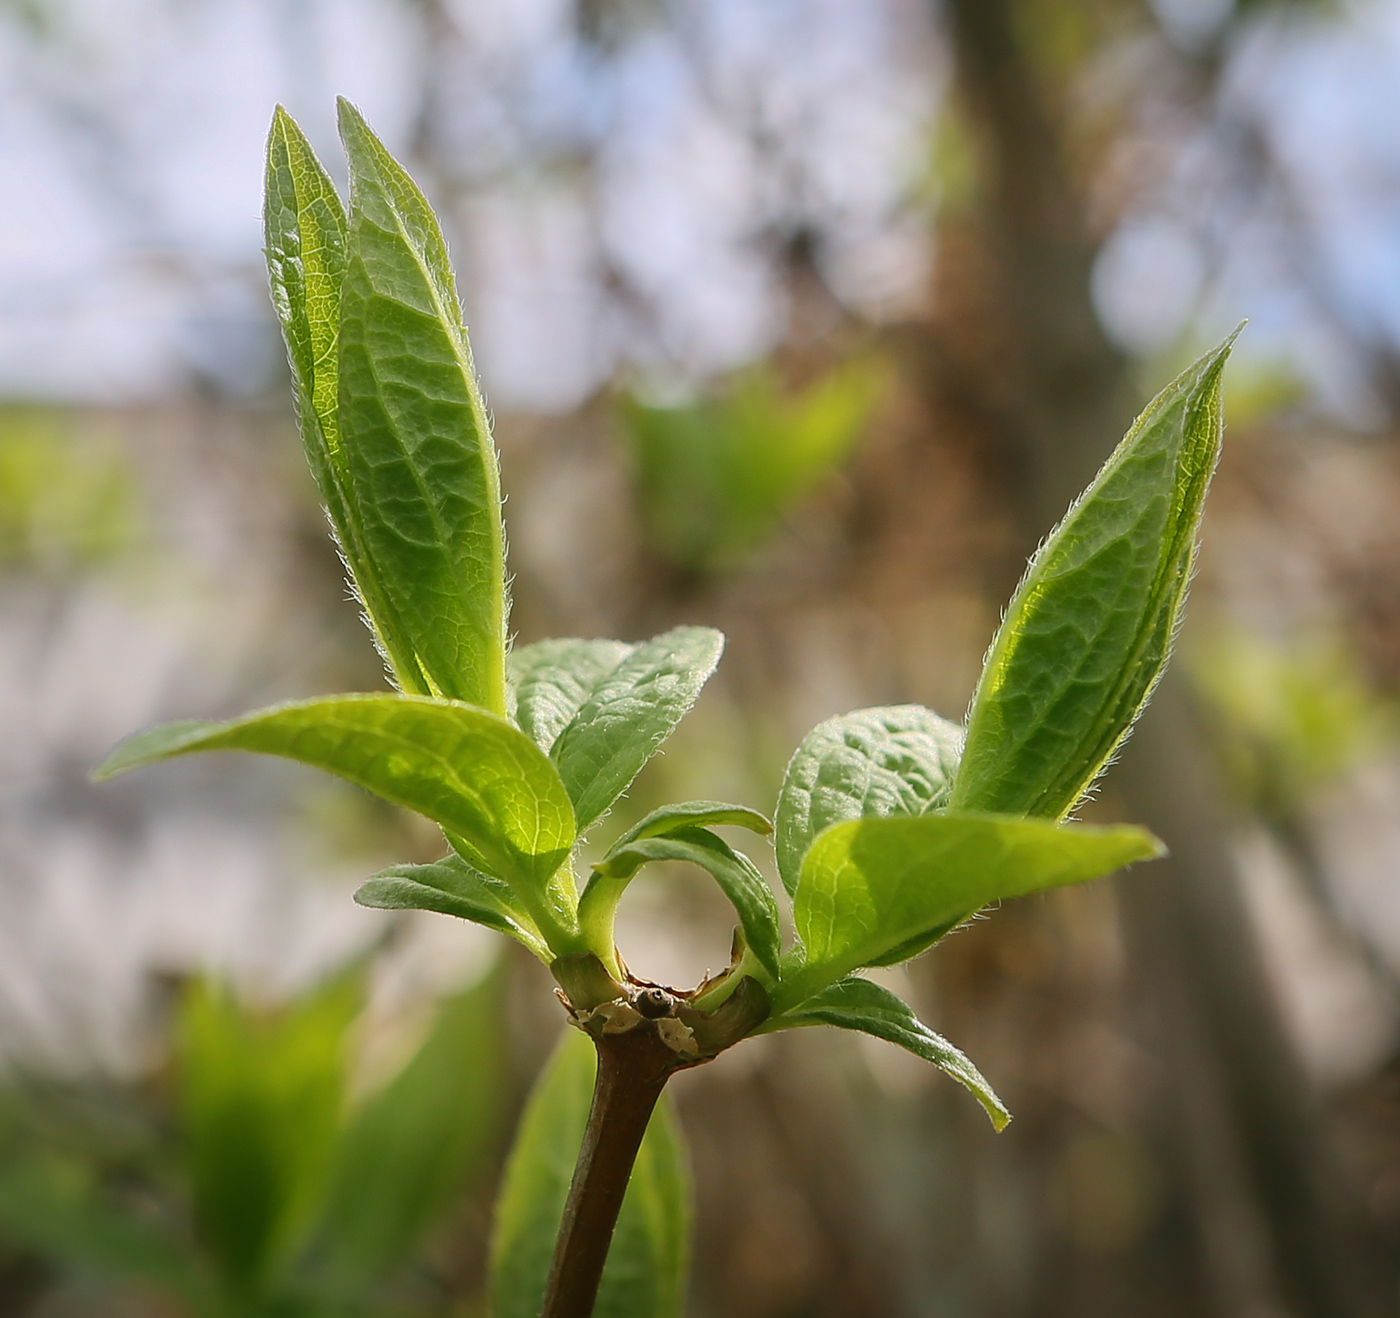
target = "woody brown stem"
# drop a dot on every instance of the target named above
(633, 1068)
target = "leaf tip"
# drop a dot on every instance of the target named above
(109, 768)
(349, 120)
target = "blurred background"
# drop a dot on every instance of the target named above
(803, 319)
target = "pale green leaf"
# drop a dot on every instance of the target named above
(646, 1269)
(549, 682)
(735, 873)
(1089, 629)
(630, 713)
(304, 225)
(869, 885)
(452, 887)
(857, 1004)
(462, 767)
(895, 760)
(423, 475)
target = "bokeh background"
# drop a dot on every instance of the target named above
(800, 318)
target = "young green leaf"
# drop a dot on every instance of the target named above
(854, 1003)
(630, 713)
(304, 227)
(735, 873)
(549, 682)
(1089, 629)
(452, 887)
(465, 769)
(897, 760)
(305, 231)
(869, 885)
(646, 1268)
(411, 1145)
(422, 467)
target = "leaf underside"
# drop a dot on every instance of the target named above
(857, 1004)
(452, 887)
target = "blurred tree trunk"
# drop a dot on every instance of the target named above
(1240, 1136)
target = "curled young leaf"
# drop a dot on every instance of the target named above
(857, 1004)
(871, 763)
(694, 814)
(735, 873)
(1089, 629)
(870, 885)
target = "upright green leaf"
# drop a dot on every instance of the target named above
(646, 1268)
(895, 760)
(550, 681)
(735, 873)
(422, 466)
(412, 1145)
(467, 770)
(1089, 629)
(452, 887)
(260, 1100)
(304, 227)
(629, 713)
(857, 1004)
(871, 884)
(305, 232)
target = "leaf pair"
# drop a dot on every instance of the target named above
(879, 869)
(392, 419)
(893, 827)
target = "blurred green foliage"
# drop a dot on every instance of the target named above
(717, 477)
(1289, 718)
(67, 502)
(265, 1191)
